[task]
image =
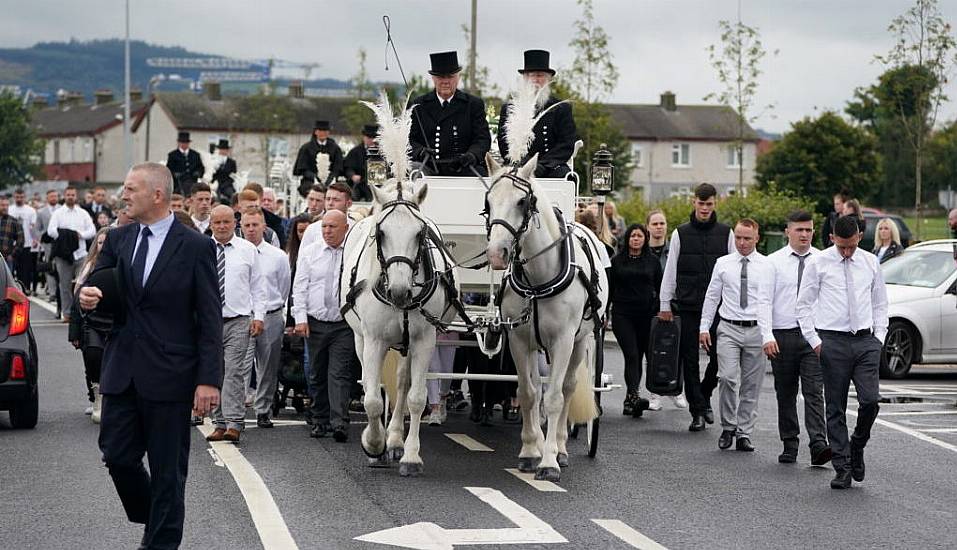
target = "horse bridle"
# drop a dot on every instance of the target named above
(413, 263)
(529, 208)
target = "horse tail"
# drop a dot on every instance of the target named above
(582, 407)
(390, 375)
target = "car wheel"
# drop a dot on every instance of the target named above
(900, 350)
(23, 415)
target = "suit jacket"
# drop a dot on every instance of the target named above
(439, 135)
(223, 176)
(555, 136)
(187, 170)
(170, 338)
(306, 163)
(89, 210)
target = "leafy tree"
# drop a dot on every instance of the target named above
(20, 148)
(818, 157)
(941, 165)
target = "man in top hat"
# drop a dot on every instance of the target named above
(223, 175)
(355, 164)
(554, 133)
(449, 134)
(306, 160)
(185, 164)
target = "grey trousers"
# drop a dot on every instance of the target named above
(231, 412)
(741, 367)
(67, 272)
(845, 358)
(797, 363)
(50, 276)
(332, 350)
(263, 351)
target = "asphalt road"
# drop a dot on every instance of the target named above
(673, 487)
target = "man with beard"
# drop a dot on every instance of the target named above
(306, 165)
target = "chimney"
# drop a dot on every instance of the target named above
(213, 91)
(103, 96)
(69, 99)
(668, 102)
(296, 89)
(39, 102)
(136, 94)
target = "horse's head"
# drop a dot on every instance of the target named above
(400, 233)
(510, 204)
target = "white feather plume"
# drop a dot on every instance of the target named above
(519, 129)
(393, 137)
(211, 163)
(322, 167)
(240, 179)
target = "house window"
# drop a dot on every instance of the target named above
(636, 155)
(681, 154)
(733, 158)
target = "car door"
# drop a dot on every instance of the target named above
(948, 317)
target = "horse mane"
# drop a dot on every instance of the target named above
(545, 211)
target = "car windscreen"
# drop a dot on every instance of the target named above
(921, 268)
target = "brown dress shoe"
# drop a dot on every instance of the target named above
(217, 435)
(231, 435)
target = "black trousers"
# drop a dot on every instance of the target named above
(131, 427)
(797, 363)
(26, 265)
(92, 361)
(332, 353)
(633, 333)
(698, 390)
(845, 358)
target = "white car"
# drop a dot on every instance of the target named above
(922, 296)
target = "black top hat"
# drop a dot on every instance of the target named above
(537, 60)
(223, 144)
(444, 63)
(183, 137)
(322, 125)
(370, 130)
(107, 281)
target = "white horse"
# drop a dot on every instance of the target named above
(555, 278)
(395, 286)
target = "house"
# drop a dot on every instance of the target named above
(676, 147)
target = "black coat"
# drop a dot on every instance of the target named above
(440, 136)
(222, 176)
(306, 163)
(187, 170)
(355, 165)
(893, 249)
(554, 142)
(104, 208)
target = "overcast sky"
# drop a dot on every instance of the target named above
(826, 47)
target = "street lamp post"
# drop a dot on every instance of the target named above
(602, 179)
(127, 136)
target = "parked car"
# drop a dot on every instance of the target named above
(18, 355)
(872, 217)
(922, 298)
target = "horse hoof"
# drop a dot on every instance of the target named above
(548, 474)
(410, 469)
(528, 464)
(379, 462)
(563, 460)
(373, 454)
(396, 454)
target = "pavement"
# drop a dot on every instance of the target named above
(652, 485)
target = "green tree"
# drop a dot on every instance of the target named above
(737, 63)
(818, 157)
(21, 150)
(941, 164)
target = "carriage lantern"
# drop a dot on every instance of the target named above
(602, 172)
(377, 169)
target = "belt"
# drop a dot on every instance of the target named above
(792, 329)
(740, 323)
(313, 319)
(233, 318)
(851, 333)
(274, 311)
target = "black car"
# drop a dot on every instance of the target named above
(19, 365)
(872, 219)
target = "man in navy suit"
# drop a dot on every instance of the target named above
(164, 355)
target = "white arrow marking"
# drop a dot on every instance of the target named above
(630, 536)
(429, 536)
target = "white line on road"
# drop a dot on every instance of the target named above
(43, 304)
(939, 430)
(914, 433)
(917, 413)
(469, 443)
(272, 529)
(632, 537)
(541, 485)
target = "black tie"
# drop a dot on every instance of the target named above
(445, 104)
(800, 269)
(139, 261)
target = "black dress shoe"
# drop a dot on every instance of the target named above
(842, 480)
(725, 439)
(697, 424)
(708, 416)
(641, 405)
(857, 463)
(340, 434)
(744, 444)
(263, 421)
(475, 415)
(821, 456)
(319, 430)
(789, 456)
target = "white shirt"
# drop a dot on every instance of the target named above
(823, 301)
(313, 233)
(669, 281)
(201, 225)
(76, 219)
(158, 231)
(277, 274)
(784, 297)
(315, 292)
(28, 219)
(725, 287)
(245, 284)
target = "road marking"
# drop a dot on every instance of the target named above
(631, 537)
(539, 484)
(939, 430)
(43, 304)
(429, 536)
(915, 433)
(917, 413)
(272, 529)
(216, 460)
(469, 443)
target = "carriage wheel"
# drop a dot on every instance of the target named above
(591, 429)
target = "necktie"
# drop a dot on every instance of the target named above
(221, 268)
(332, 275)
(445, 104)
(800, 269)
(744, 283)
(139, 261)
(851, 296)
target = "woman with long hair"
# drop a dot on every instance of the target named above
(297, 228)
(633, 292)
(887, 240)
(88, 331)
(853, 208)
